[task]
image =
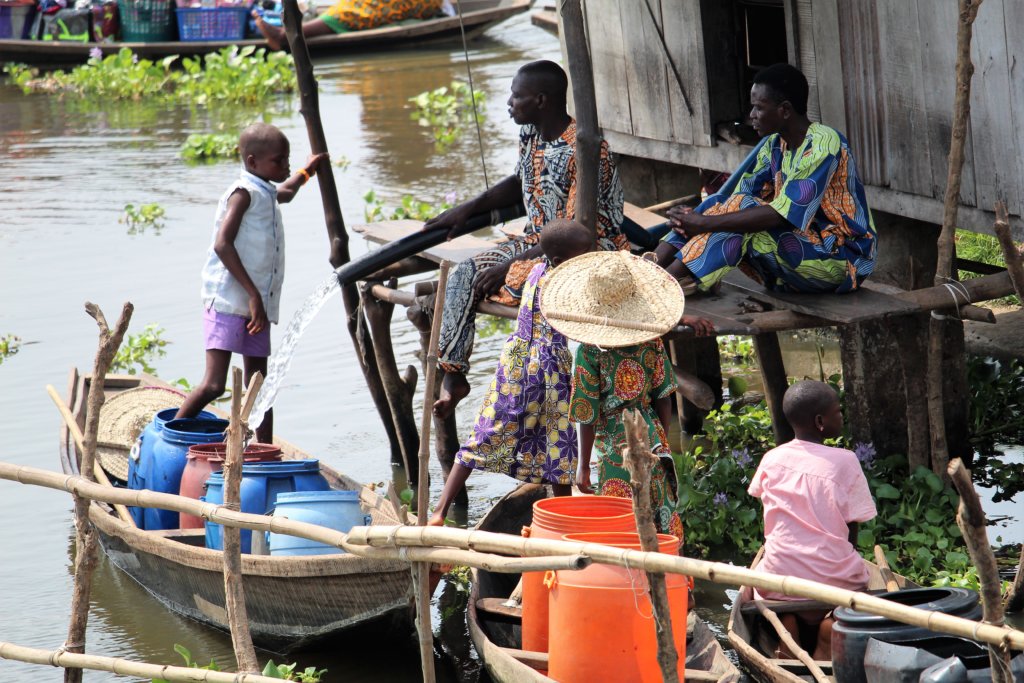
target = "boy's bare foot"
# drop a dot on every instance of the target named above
(454, 388)
(274, 35)
(436, 519)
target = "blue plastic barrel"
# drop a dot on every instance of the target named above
(140, 460)
(338, 510)
(261, 483)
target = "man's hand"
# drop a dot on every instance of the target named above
(701, 326)
(491, 280)
(257, 316)
(451, 220)
(583, 479)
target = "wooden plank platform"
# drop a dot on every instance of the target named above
(844, 309)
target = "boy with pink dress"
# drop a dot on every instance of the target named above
(813, 497)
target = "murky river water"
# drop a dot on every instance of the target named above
(66, 172)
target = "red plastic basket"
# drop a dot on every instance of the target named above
(210, 23)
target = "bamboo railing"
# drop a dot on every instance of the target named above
(480, 549)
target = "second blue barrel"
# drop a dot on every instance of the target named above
(261, 484)
(161, 453)
(338, 510)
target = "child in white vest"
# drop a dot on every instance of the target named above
(245, 266)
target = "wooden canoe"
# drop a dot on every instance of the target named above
(477, 17)
(291, 601)
(497, 637)
(755, 640)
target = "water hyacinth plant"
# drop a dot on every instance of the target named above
(210, 147)
(446, 110)
(138, 218)
(241, 75)
(9, 345)
(409, 208)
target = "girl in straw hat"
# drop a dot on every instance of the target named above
(618, 305)
(523, 429)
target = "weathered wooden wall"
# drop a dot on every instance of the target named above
(881, 71)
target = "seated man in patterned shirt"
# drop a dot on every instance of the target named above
(797, 220)
(545, 181)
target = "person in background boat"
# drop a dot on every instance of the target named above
(813, 497)
(621, 365)
(545, 181)
(352, 15)
(244, 268)
(798, 220)
(523, 428)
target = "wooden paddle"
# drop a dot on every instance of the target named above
(76, 434)
(885, 571)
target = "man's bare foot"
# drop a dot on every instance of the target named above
(454, 388)
(274, 35)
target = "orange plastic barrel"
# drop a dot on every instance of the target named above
(602, 625)
(205, 459)
(553, 518)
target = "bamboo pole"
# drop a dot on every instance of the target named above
(588, 136)
(970, 517)
(79, 439)
(421, 571)
(883, 568)
(355, 322)
(639, 460)
(789, 642)
(86, 544)
(124, 667)
(1010, 253)
(946, 245)
(384, 536)
(234, 591)
(280, 525)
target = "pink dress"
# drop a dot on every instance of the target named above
(810, 493)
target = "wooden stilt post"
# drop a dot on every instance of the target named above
(773, 372)
(1010, 253)
(85, 536)
(638, 461)
(971, 519)
(234, 591)
(421, 570)
(336, 233)
(944, 266)
(588, 134)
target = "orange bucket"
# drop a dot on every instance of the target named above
(602, 622)
(552, 519)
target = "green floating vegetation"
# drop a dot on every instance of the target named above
(9, 345)
(409, 208)
(143, 216)
(232, 75)
(446, 110)
(139, 350)
(209, 147)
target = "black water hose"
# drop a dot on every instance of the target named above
(413, 244)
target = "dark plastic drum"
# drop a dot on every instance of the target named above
(853, 628)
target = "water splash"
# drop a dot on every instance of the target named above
(277, 368)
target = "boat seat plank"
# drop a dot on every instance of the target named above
(495, 609)
(456, 251)
(534, 660)
(863, 304)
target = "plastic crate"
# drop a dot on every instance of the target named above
(212, 23)
(16, 19)
(146, 21)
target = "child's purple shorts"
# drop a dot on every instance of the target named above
(226, 332)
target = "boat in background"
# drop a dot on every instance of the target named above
(496, 629)
(291, 601)
(477, 17)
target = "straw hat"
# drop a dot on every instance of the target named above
(611, 299)
(123, 417)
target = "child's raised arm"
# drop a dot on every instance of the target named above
(224, 247)
(287, 190)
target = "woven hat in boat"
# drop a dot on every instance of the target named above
(123, 417)
(611, 299)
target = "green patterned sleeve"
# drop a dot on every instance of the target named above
(667, 375)
(586, 386)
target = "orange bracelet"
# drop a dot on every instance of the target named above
(305, 175)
